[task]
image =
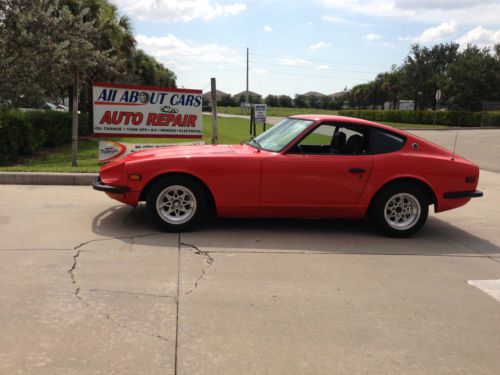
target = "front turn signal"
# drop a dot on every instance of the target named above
(134, 177)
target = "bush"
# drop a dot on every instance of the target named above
(24, 133)
(449, 118)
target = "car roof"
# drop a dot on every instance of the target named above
(348, 120)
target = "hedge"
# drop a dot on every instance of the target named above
(24, 133)
(450, 118)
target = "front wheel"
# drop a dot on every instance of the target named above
(400, 210)
(176, 203)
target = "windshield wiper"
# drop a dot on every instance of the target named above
(259, 147)
(252, 139)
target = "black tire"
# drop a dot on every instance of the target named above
(392, 219)
(177, 203)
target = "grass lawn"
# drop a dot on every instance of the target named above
(279, 111)
(231, 131)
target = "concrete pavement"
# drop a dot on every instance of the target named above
(91, 287)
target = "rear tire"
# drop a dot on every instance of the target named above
(177, 203)
(400, 210)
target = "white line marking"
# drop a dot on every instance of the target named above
(490, 287)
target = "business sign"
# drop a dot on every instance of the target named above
(260, 113)
(110, 150)
(146, 111)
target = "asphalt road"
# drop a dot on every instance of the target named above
(91, 287)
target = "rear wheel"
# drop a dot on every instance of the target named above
(177, 203)
(400, 210)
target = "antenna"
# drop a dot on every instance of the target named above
(454, 146)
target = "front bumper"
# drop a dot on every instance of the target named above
(98, 185)
(463, 194)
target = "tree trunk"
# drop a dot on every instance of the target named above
(75, 119)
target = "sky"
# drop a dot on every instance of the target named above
(299, 46)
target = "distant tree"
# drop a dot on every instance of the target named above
(272, 101)
(473, 78)
(148, 71)
(313, 101)
(285, 101)
(326, 102)
(227, 101)
(300, 101)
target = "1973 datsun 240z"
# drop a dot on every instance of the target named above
(304, 167)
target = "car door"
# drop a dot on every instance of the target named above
(312, 177)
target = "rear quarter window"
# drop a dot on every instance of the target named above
(382, 141)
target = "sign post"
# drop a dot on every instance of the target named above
(438, 96)
(215, 128)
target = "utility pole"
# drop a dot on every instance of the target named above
(248, 96)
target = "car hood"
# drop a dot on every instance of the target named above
(180, 151)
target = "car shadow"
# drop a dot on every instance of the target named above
(437, 237)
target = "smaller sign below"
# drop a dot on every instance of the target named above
(260, 113)
(111, 150)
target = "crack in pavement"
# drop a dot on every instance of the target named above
(72, 272)
(209, 261)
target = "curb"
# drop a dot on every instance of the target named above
(46, 178)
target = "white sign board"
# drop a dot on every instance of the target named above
(438, 95)
(260, 113)
(146, 111)
(110, 150)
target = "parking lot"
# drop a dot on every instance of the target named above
(89, 286)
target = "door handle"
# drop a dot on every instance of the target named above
(356, 170)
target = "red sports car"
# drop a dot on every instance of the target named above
(304, 167)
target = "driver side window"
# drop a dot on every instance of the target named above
(331, 139)
(317, 142)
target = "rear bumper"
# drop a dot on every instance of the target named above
(463, 194)
(98, 185)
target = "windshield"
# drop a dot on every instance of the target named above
(280, 135)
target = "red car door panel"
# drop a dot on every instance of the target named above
(297, 181)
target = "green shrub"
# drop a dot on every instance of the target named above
(450, 118)
(24, 133)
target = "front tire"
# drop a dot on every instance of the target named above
(177, 203)
(400, 210)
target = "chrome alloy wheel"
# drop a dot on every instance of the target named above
(402, 211)
(176, 204)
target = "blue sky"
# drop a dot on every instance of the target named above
(299, 46)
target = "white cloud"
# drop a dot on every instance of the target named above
(437, 11)
(343, 21)
(268, 28)
(372, 37)
(434, 34)
(480, 36)
(322, 67)
(293, 62)
(178, 10)
(320, 45)
(440, 32)
(177, 53)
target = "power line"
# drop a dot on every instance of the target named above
(315, 68)
(315, 75)
(321, 61)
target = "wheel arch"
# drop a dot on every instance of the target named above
(206, 189)
(424, 186)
